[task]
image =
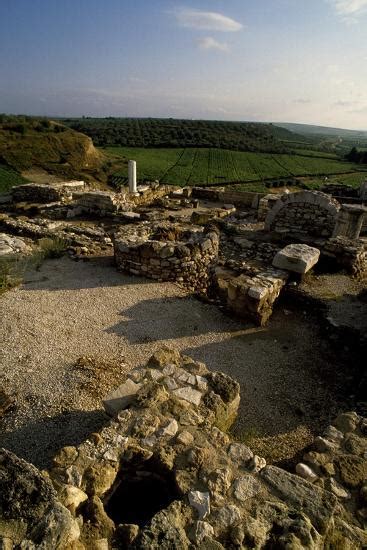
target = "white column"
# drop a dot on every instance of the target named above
(132, 176)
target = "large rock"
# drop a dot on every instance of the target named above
(298, 258)
(121, 398)
(29, 509)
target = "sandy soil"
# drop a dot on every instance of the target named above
(289, 378)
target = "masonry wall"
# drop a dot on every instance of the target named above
(238, 198)
(307, 213)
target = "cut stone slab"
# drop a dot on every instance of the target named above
(121, 398)
(188, 394)
(298, 258)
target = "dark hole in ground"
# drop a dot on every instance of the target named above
(140, 492)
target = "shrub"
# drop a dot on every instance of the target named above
(52, 247)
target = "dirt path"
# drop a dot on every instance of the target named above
(68, 310)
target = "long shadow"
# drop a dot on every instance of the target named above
(67, 274)
(39, 440)
(172, 318)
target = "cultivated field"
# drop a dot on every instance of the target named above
(204, 166)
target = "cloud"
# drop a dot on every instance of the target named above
(206, 21)
(209, 43)
(349, 8)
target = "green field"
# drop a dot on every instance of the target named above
(202, 166)
(9, 178)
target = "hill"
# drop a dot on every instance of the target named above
(307, 129)
(28, 143)
(170, 133)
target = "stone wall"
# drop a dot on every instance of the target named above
(179, 254)
(163, 474)
(348, 254)
(238, 198)
(307, 213)
(43, 193)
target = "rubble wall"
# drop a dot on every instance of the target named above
(308, 213)
(184, 262)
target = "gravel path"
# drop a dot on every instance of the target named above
(68, 310)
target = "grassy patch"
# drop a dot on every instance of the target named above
(9, 178)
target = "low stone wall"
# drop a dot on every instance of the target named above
(162, 474)
(350, 255)
(238, 198)
(98, 203)
(265, 205)
(44, 193)
(185, 260)
(250, 296)
(307, 213)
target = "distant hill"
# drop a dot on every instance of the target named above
(168, 133)
(306, 129)
(28, 142)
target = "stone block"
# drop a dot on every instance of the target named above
(298, 258)
(121, 398)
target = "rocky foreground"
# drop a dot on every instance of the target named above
(164, 474)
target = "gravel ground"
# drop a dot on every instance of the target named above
(70, 310)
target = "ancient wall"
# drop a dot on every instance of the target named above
(163, 474)
(238, 198)
(186, 260)
(348, 254)
(43, 193)
(305, 213)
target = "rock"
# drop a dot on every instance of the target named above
(6, 402)
(169, 429)
(188, 394)
(298, 258)
(347, 422)
(165, 531)
(323, 445)
(97, 480)
(337, 489)
(126, 533)
(185, 438)
(224, 386)
(226, 516)
(200, 502)
(353, 470)
(246, 487)
(240, 453)
(121, 398)
(334, 435)
(202, 529)
(218, 483)
(363, 494)
(71, 497)
(163, 357)
(66, 456)
(306, 472)
(317, 504)
(257, 463)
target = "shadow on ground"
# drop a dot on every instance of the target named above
(47, 435)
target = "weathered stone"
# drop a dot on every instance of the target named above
(226, 516)
(202, 529)
(200, 502)
(188, 394)
(317, 504)
(163, 357)
(353, 470)
(126, 533)
(98, 479)
(246, 487)
(185, 438)
(347, 422)
(240, 453)
(299, 258)
(169, 429)
(71, 497)
(306, 472)
(121, 398)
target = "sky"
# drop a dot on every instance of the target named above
(260, 60)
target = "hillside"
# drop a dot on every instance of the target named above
(169, 133)
(306, 129)
(28, 143)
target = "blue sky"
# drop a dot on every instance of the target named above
(266, 60)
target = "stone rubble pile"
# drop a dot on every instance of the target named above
(162, 474)
(99, 203)
(12, 246)
(185, 255)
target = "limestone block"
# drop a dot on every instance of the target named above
(298, 258)
(121, 398)
(188, 394)
(201, 503)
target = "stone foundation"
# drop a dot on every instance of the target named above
(348, 254)
(43, 193)
(162, 474)
(250, 296)
(168, 253)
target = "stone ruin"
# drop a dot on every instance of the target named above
(163, 474)
(168, 252)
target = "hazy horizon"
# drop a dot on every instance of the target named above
(210, 59)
